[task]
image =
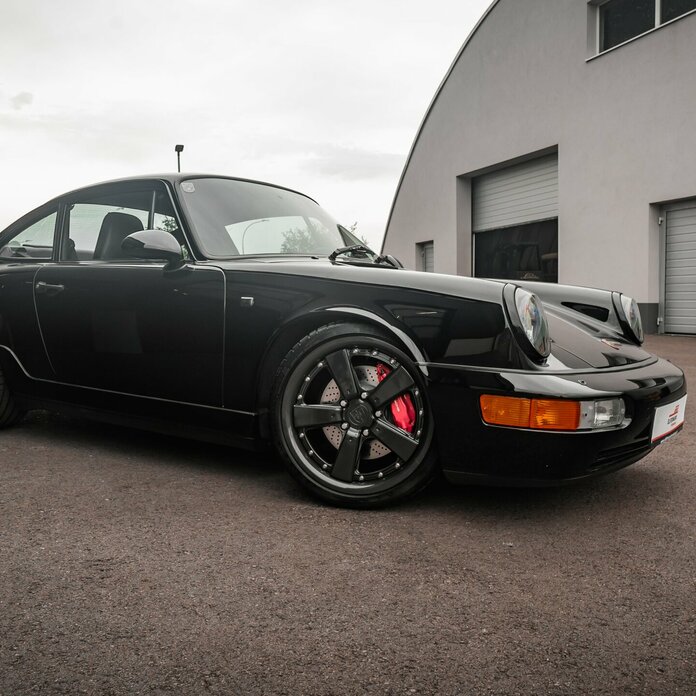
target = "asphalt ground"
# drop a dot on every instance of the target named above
(132, 563)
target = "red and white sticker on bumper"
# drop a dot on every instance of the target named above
(668, 419)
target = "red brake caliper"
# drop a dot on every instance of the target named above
(402, 409)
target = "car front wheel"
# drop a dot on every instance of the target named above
(352, 418)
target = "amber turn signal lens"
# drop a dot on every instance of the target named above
(538, 414)
(553, 414)
(506, 410)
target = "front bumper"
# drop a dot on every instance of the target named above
(471, 451)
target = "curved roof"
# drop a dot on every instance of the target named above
(428, 112)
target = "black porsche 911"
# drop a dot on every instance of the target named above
(236, 311)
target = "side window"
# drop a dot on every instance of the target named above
(33, 242)
(98, 226)
(96, 230)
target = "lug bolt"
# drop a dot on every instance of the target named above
(397, 465)
(420, 413)
(301, 435)
(363, 395)
(355, 350)
(344, 426)
(321, 364)
(378, 414)
(361, 478)
(380, 475)
(307, 379)
(418, 434)
(366, 432)
(299, 397)
(374, 352)
(415, 392)
(325, 467)
(392, 361)
(344, 404)
(311, 453)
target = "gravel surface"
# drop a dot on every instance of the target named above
(132, 563)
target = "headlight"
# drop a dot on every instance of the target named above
(632, 314)
(532, 318)
(607, 413)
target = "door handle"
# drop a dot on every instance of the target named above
(48, 288)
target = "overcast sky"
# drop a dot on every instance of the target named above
(324, 97)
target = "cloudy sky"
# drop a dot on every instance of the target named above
(324, 97)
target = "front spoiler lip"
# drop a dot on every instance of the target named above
(464, 478)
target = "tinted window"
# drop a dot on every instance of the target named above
(671, 9)
(621, 20)
(33, 242)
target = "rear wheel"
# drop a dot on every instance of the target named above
(352, 418)
(9, 413)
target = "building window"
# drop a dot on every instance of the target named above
(425, 257)
(520, 252)
(671, 9)
(622, 20)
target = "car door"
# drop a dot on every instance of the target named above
(126, 325)
(25, 247)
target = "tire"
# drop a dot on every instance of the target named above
(333, 420)
(9, 413)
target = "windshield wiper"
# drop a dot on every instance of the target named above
(347, 250)
(368, 254)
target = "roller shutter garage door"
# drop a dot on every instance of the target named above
(516, 195)
(680, 269)
(515, 221)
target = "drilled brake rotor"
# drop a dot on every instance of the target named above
(367, 376)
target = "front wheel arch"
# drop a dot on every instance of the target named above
(289, 334)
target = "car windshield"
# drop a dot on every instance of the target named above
(239, 218)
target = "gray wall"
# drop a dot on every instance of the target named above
(624, 124)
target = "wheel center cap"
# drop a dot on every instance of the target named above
(359, 414)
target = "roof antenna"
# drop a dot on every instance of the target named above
(178, 149)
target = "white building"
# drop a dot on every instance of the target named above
(561, 146)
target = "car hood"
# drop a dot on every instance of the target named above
(578, 344)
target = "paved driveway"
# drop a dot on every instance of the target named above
(132, 563)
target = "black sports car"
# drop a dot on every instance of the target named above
(235, 311)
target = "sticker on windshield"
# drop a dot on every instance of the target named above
(187, 186)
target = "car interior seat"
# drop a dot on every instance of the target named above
(114, 229)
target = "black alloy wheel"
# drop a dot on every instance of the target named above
(352, 417)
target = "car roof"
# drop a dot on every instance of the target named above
(171, 178)
(175, 178)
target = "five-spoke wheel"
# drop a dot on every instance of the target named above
(352, 417)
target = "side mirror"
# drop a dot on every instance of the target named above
(154, 244)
